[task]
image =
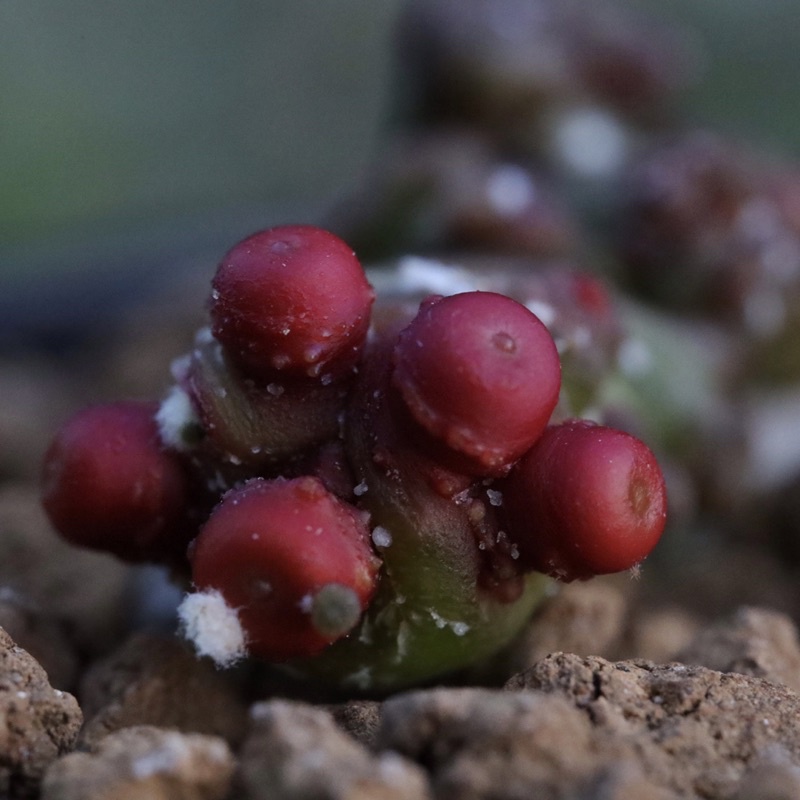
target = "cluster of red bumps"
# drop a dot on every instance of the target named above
(258, 491)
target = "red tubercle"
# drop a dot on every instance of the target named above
(480, 373)
(585, 500)
(109, 484)
(293, 561)
(291, 301)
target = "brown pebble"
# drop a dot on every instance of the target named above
(360, 718)
(88, 591)
(482, 743)
(44, 636)
(658, 634)
(37, 722)
(770, 781)
(144, 763)
(753, 641)
(157, 680)
(584, 618)
(296, 751)
(694, 730)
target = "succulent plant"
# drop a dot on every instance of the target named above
(369, 493)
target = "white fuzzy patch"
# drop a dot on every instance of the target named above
(163, 760)
(174, 416)
(213, 627)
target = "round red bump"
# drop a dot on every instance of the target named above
(479, 372)
(294, 562)
(291, 301)
(586, 500)
(108, 483)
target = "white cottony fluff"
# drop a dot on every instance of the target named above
(175, 414)
(213, 627)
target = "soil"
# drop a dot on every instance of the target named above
(683, 682)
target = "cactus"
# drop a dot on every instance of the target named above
(330, 477)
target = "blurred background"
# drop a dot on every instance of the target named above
(136, 138)
(135, 135)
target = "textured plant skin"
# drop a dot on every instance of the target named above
(108, 484)
(255, 424)
(360, 517)
(450, 594)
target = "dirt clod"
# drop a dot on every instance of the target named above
(693, 730)
(157, 680)
(37, 722)
(297, 751)
(752, 641)
(144, 763)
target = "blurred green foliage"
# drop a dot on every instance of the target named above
(124, 116)
(752, 62)
(122, 113)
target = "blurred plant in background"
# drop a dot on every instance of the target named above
(126, 114)
(155, 119)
